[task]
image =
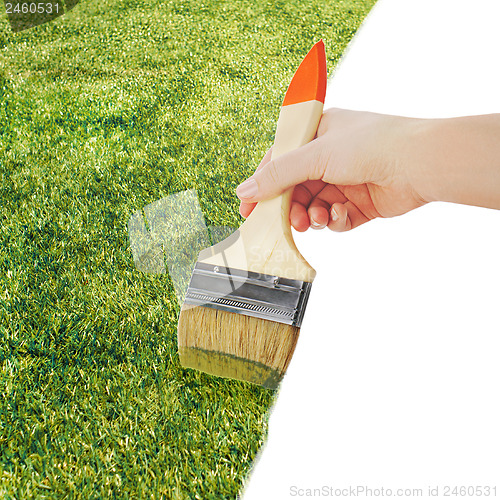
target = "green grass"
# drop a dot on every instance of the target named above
(102, 111)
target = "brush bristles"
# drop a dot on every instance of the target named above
(234, 345)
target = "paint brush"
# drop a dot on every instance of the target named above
(247, 295)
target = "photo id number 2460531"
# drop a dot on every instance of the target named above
(32, 8)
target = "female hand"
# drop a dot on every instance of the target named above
(359, 167)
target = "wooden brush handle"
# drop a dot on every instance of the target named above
(264, 242)
(269, 223)
(297, 125)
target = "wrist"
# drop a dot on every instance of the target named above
(456, 160)
(424, 159)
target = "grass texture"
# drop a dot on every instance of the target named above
(113, 106)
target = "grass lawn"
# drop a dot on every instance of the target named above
(102, 111)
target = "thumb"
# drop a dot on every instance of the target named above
(284, 172)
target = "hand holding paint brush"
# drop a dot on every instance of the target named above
(366, 165)
(247, 294)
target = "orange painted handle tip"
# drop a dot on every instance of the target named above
(309, 81)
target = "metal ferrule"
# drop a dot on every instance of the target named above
(259, 295)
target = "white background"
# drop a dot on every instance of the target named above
(395, 381)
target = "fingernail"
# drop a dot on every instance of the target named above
(247, 189)
(334, 215)
(315, 225)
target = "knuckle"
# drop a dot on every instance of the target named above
(318, 160)
(326, 120)
(322, 128)
(273, 174)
